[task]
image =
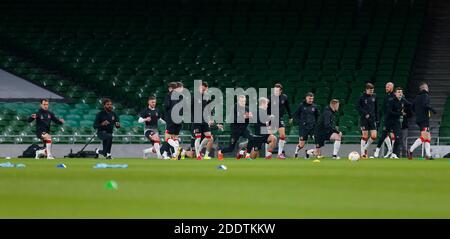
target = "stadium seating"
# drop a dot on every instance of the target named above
(331, 48)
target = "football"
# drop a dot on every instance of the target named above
(353, 156)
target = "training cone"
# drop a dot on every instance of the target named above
(61, 165)
(112, 185)
(222, 167)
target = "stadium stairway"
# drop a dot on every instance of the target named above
(432, 63)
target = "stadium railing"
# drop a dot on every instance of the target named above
(138, 138)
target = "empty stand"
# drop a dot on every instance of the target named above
(132, 50)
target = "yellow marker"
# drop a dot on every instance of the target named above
(316, 161)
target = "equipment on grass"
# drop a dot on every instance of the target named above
(61, 165)
(222, 167)
(82, 153)
(105, 165)
(112, 185)
(11, 165)
(353, 156)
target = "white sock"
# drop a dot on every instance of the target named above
(416, 144)
(40, 153)
(369, 142)
(207, 153)
(266, 147)
(377, 152)
(204, 142)
(281, 146)
(164, 155)
(387, 141)
(336, 147)
(427, 149)
(296, 149)
(48, 148)
(197, 145)
(363, 144)
(157, 149)
(174, 143)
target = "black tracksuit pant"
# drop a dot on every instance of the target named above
(107, 139)
(236, 133)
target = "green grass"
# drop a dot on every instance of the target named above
(248, 189)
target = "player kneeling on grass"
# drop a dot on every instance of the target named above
(239, 127)
(255, 143)
(326, 130)
(104, 123)
(150, 116)
(423, 111)
(263, 133)
(168, 152)
(43, 118)
(306, 115)
(368, 111)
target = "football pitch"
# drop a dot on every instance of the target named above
(292, 188)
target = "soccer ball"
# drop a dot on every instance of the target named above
(353, 156)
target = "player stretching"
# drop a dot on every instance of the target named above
(172, 128)
(43, 118)
(191, 153)
(368, 110)
(306, 115)
(422, 110)
(283, 106)
(166, 151)
(384, 135)
(261, 136)
(395, 110)
(150, 116)
(104, 123)
(202, 127)
(238, 128)
(326, 130)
